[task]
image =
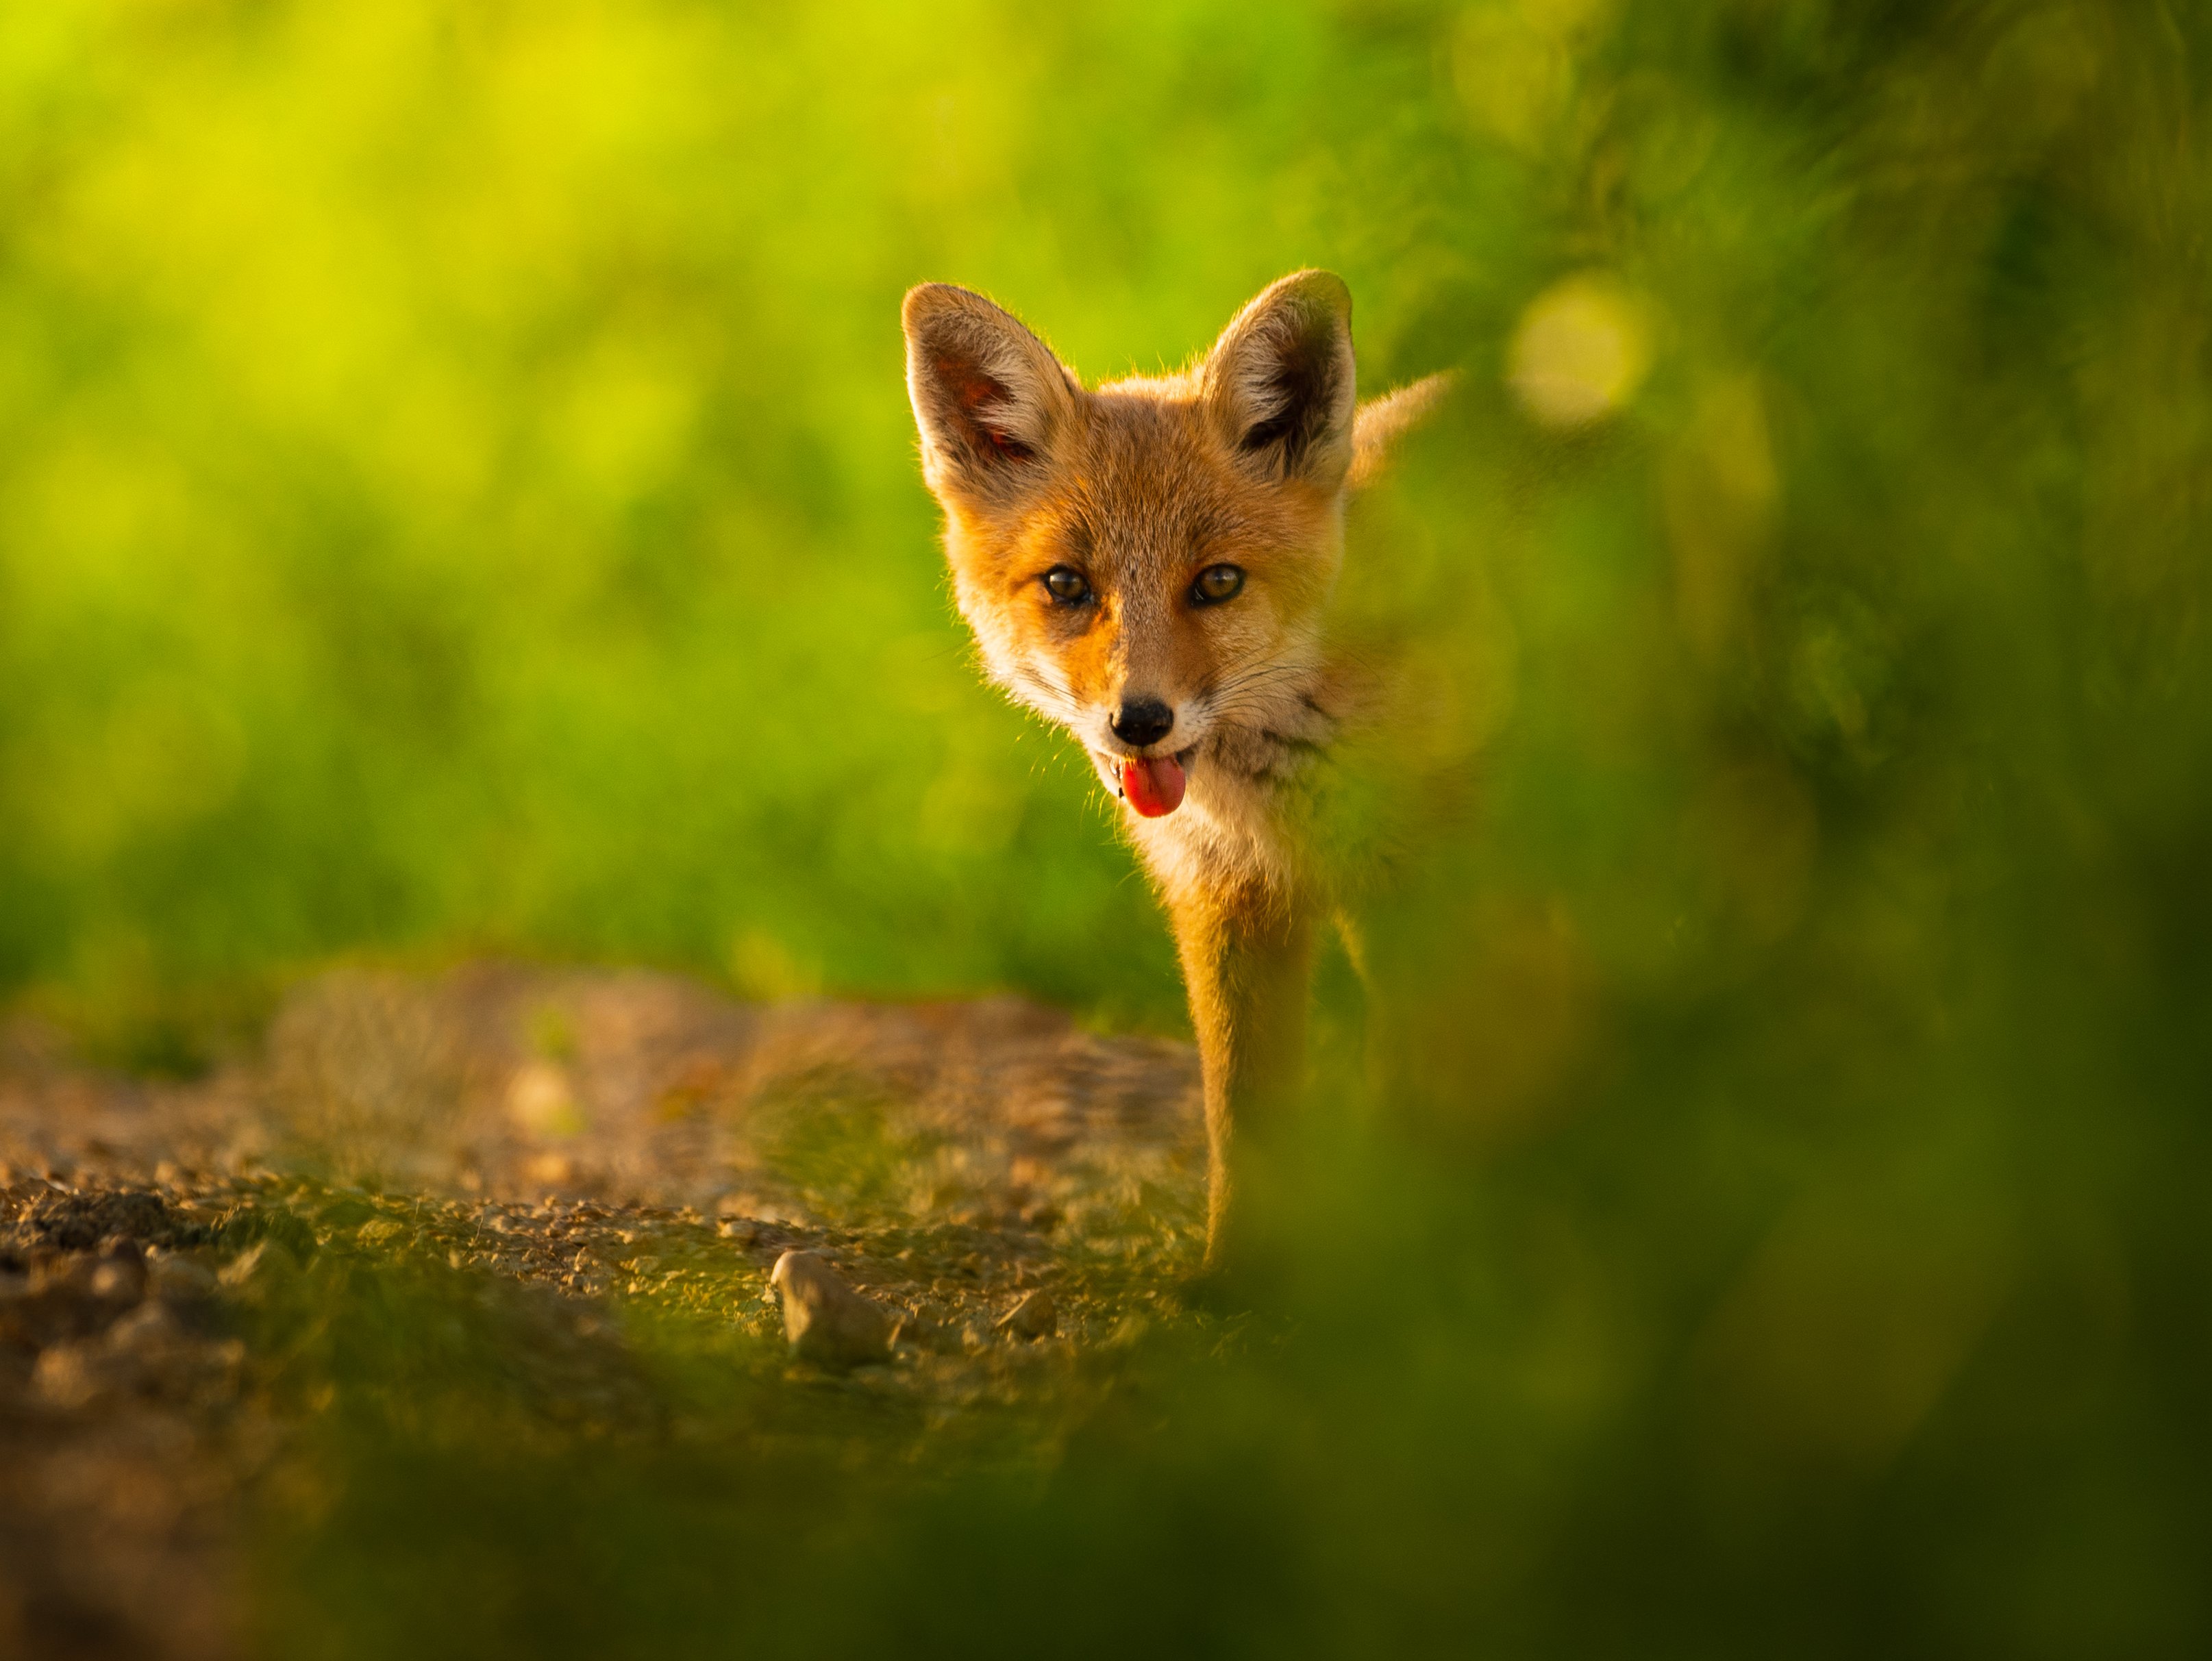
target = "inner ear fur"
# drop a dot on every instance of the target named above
(1282, 381)
(988, 395)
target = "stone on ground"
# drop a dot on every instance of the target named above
(1036, 1316)
(827, 1322)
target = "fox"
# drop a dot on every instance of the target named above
(1149, 564)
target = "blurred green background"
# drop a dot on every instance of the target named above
(458, 486)
(457, 495)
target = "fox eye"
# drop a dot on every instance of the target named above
(1066, 585)
(1216, 583)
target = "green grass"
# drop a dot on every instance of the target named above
(457, 495)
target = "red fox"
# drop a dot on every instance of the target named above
(1149, 564)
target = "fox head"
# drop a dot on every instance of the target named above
(1147, 562)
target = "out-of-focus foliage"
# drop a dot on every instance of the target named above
(457, 491)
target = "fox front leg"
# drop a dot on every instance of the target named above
(1246, 968)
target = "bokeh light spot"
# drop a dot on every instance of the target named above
(1582, 349)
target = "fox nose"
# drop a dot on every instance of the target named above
(1143, 721)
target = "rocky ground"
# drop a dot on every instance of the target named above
(977, 1192)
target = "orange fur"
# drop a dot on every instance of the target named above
(1132, 490)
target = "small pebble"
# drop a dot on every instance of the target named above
(825, 1321)
(1036, 1316)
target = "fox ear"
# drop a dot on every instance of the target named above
(989, 394)
(1282, 382)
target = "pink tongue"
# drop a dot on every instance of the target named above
(1153, 784)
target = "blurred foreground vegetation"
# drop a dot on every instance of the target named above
(456, 494)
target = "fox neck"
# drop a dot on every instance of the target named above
(1240, 830)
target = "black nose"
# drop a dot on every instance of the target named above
(1143, 721)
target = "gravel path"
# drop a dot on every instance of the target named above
(580, 1147)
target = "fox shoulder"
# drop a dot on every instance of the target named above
(1383, 422)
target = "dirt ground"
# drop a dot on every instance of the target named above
(1005, 1186)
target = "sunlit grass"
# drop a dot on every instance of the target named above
(457, 495)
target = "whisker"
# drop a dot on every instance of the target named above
(1240, 681)
(1058, 696)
